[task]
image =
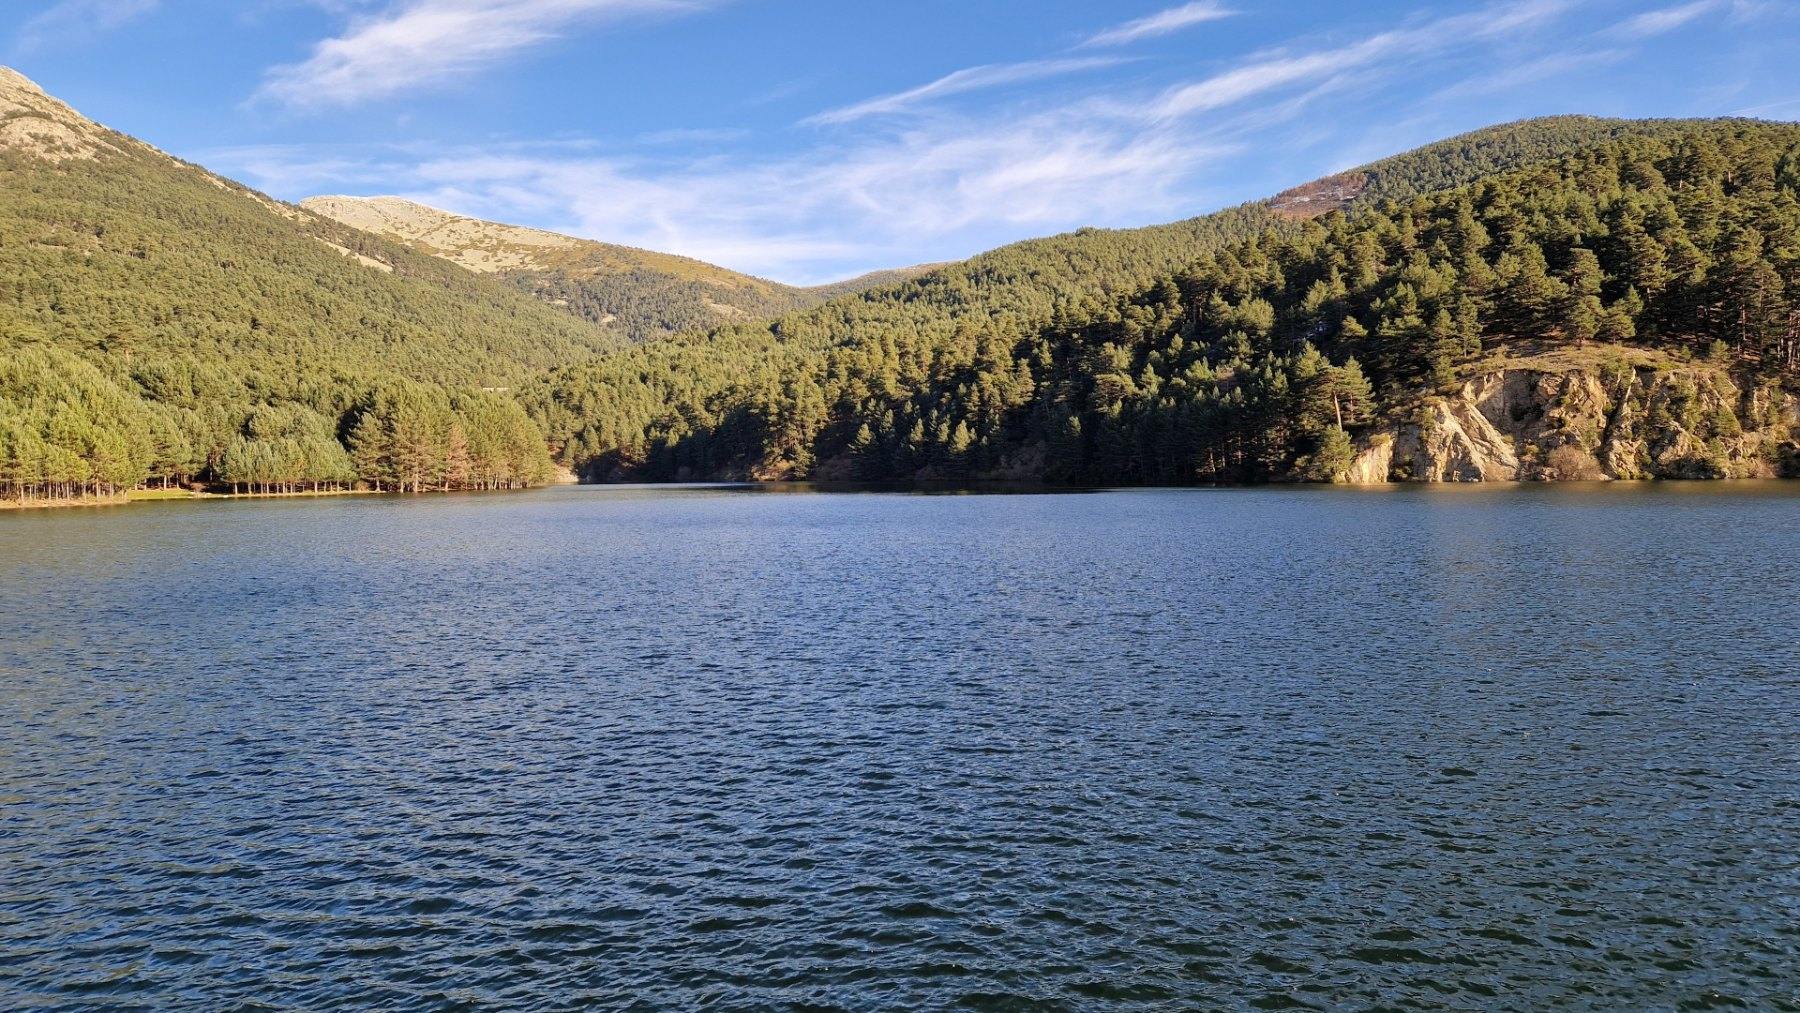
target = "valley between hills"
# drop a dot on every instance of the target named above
(1567, 298)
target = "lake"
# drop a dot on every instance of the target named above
(1498, 747)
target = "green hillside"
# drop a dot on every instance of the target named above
(954, 364)
(128, 277)
(162, 324)
(865, 282)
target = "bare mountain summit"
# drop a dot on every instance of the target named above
(33, 123)
(645, 292)
(489, 247)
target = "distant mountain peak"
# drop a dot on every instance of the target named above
(645, 292)
(36, 124)
(480, 246)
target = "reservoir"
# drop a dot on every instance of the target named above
(1476, 748)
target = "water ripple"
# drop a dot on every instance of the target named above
(1261, 749)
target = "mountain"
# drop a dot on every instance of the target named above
(646, 294)
(1648, 261)
(874, 279)
(109, 239)
(1559, 298)
(157, 319)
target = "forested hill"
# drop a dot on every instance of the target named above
(644, 293)
(865, 282)
(959, 372)
(159, 321)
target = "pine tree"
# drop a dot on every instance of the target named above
(1334, 456)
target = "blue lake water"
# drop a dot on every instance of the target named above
(1270, 748)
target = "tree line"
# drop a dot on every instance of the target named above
(161, 326)
(70, 431)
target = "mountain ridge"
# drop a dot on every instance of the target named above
(647, 292)
(35, 122)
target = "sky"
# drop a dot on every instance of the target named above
(811, 140)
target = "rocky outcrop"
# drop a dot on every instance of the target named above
(1452, 441)
(1373, 463)
(1323, 196)
(1624, 422)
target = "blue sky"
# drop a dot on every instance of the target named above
(807, 140)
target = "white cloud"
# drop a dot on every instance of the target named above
(971, 79)
(73, 20)
(1270, 73)
(425, 43)
(1162, 23)
(923, 194)
(1532, 71)
(1659, 22)
(929, 188)
(872, 205)
(1253, 79)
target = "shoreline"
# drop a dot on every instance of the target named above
(175, 496)
(167, 496)
(192, 496)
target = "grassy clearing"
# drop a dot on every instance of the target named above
(1594, 357)
(44, 504)
(164, 495)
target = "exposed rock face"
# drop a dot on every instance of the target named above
(1576, 425)
(1333, 193)
(1454, 442)
(1374, 462)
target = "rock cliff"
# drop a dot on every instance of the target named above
(1537, 423)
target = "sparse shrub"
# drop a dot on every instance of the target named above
(1569, 463)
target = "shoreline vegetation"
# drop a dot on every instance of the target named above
(50, 497)
(184, 495)
(179, 494)
(947, 486)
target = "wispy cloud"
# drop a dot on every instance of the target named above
(925, 188)
(693, 136)
(77, 20)
(1162, 23)
(420, 44)
(1768, 107)
(1270, 73)
(1532, 71)
(971, 79)
(1667, 19)
(807, 217)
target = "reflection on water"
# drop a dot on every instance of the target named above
(1475, 748)
(863, 488)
